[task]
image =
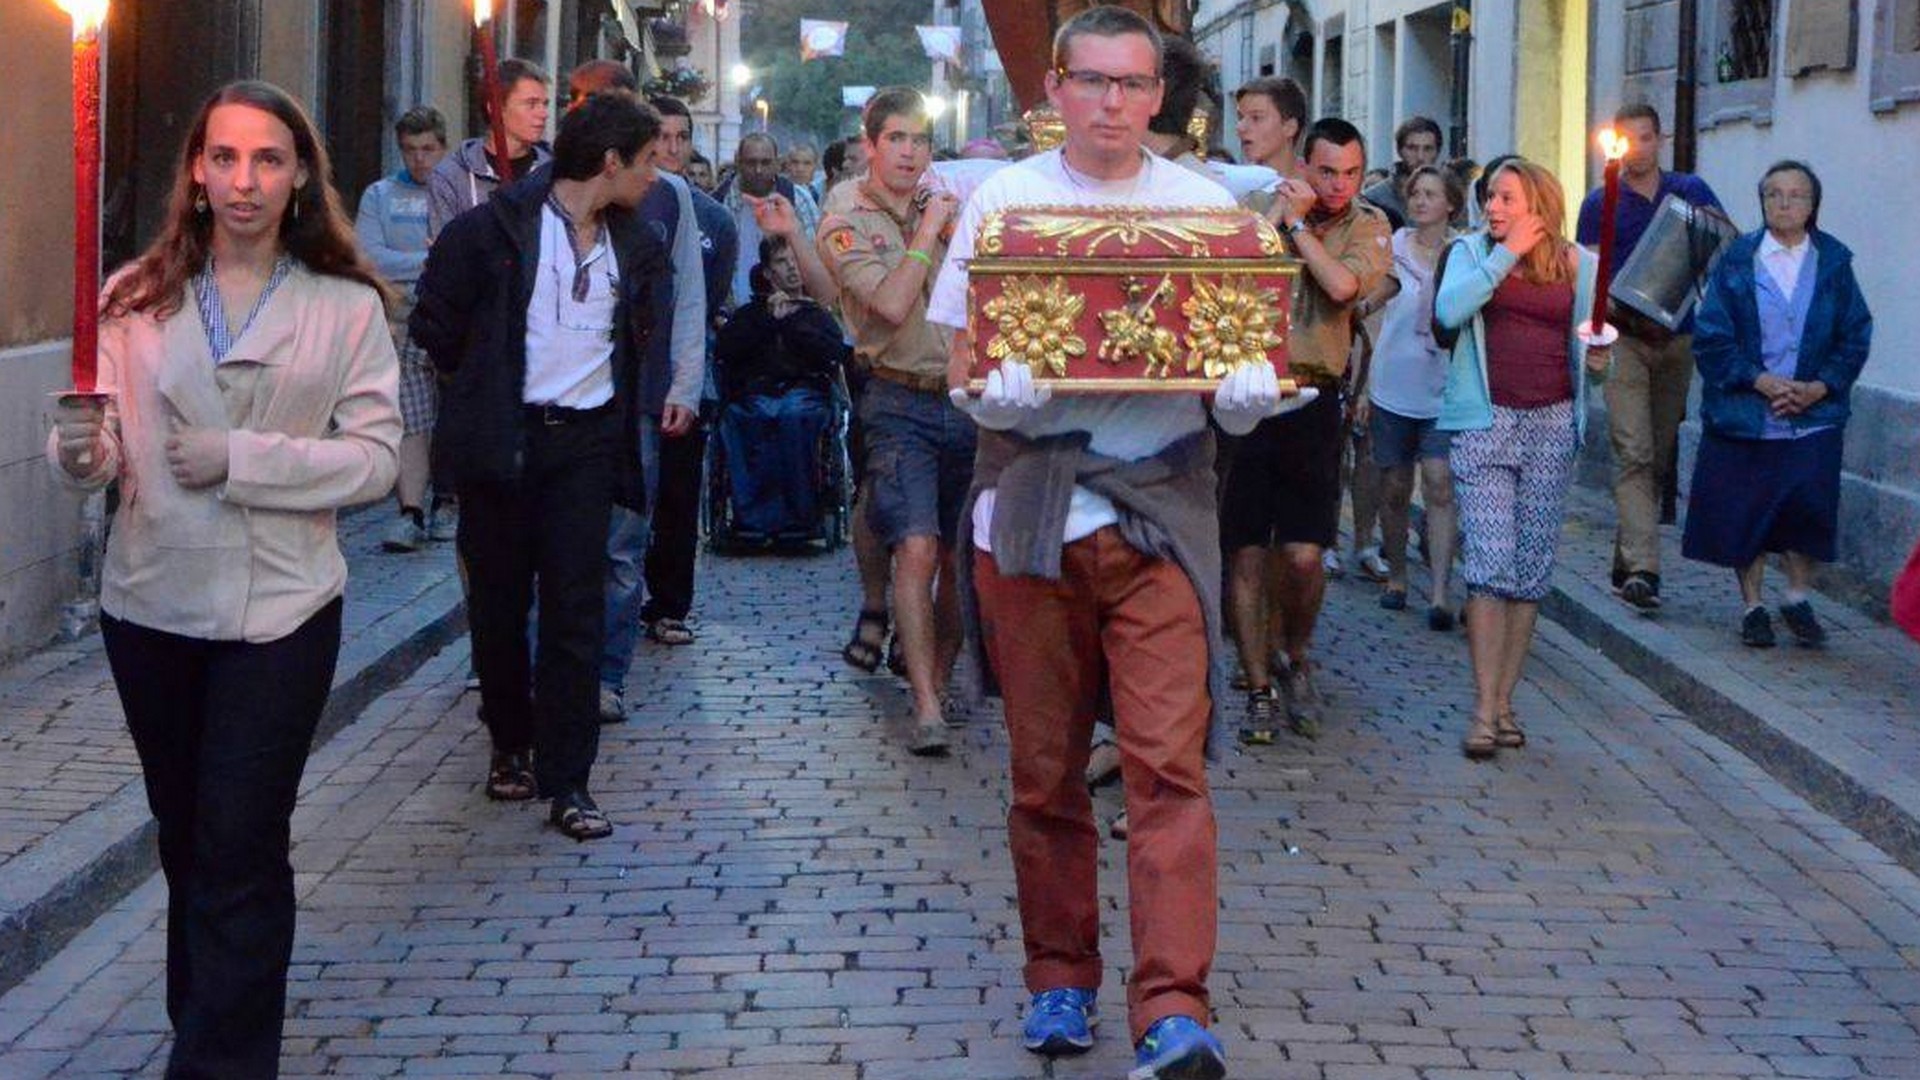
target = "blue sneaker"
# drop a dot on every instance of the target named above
(1059, 1021)
(1178, 1048)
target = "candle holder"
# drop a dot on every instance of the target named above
(491, 90)
(78, 615)
(1614, 146)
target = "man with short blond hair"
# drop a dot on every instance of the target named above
(1091, 553)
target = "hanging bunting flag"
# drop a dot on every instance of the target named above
(940, 42)
(822, 37)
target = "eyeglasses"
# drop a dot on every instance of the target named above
(1093, 85)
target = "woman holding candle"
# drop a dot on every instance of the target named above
(1780, 337)
(1512, 300)
(256, 394)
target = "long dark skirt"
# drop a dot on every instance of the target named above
(1754, 496)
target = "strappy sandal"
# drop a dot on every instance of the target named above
(1480, 742)
(864, 652)
(578, 819)
(510, 777)
(897, 657)
(1506, 732)
(669, 632)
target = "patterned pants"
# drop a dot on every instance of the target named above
(1511, 484)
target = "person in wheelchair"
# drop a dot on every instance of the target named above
(777, 359)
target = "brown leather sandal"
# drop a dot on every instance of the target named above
(1480, 742)
(510, 777)
(1506, 732)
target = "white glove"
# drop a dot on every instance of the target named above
(1011, 396)
(1249, 394)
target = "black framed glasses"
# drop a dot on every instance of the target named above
(1092, 85)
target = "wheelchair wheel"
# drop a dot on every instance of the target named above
(716, 504)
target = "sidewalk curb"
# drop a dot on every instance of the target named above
(87, 865)
(1839, 778)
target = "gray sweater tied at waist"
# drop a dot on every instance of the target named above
(1167, 510)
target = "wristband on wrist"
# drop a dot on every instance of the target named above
(921, 257)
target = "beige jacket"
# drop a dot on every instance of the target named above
(308, 398)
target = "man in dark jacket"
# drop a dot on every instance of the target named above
(537, 307)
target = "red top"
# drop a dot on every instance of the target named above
(1526, 327)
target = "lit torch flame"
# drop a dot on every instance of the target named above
(1612, 144)
(482, 12)
(87, 15)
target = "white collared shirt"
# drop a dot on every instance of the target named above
(570, 342)
(1783, 263)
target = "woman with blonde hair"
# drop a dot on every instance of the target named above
(1513, 300)
(1403, 394)
(256, 394)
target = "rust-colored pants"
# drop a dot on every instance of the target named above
(1136, 620)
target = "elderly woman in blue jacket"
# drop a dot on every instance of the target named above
(1781, 335)
(1515, 299)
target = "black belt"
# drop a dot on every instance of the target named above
(551, 415)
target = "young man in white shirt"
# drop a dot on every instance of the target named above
(1058, 612)
(528, 304)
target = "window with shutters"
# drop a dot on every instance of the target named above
(1746, 43)
(1821, 36)
(1736, 61)
(1895, 79)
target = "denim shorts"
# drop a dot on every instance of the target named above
(1404, 440)
(919, 462)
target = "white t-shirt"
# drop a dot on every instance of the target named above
(1409, 367)
(1128, 427)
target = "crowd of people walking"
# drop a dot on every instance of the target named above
(535, 346)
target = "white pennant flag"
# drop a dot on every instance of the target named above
(940, 42)
(822, 37)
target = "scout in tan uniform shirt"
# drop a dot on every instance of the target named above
(881, 238)
(1281, 502)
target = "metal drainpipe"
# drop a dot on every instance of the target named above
(1685, 87)
(1462, 37)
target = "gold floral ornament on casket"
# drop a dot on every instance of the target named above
(1035, 321)
(1081, 236)
(1230, 323)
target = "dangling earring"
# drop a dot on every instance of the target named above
(200, 200)
(296, 205)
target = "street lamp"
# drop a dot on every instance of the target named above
(765, 109)
(742, 76)
(936, 106)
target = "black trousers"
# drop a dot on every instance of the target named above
(546, 531)
(676, 526)
(222, 729)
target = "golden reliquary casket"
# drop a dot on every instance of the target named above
(1113, 298)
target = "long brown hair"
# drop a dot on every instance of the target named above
(315, 228)
(1547, 263)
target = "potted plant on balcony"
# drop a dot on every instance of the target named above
(688, 84)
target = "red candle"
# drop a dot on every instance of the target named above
(87, 17)
(1614, 146)
(490, 89)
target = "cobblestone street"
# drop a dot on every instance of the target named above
(789, 895)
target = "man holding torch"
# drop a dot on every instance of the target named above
(1652, 366)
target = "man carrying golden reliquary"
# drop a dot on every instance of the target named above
(1091, 551)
